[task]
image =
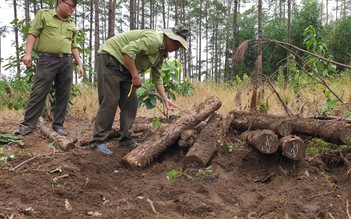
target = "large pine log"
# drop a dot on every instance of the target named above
(266, 141)
(250, 121)
(63, 142)
(293, 147)
(332, 131)
(166, 136)
(205, 144)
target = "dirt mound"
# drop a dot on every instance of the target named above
(243, 183)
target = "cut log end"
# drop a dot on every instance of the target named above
(293, 147)
(345, 135)
(267, 143)
(284, 128)
(193, 162)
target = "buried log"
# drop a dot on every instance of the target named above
(166, 136)
(137, 128)
(63, 142)
(266, 141)
(250, 121)
(293, 147)
(205, 144)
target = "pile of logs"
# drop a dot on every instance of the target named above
(200, 130)
(269, 133)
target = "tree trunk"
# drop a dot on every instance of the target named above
(149, 149)
(111, 18)
(263, 140)
(250, 121)
(293, 147)
(234, 31)
(205, 144)
(97, 33)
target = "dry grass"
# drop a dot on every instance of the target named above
(233, 98)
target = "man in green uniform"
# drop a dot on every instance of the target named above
(53, 33)
(119, 62)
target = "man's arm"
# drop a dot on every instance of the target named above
(27, 58)
(130, 64)
(76, 57)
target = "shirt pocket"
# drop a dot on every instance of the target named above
(52, 28)
(69, 33)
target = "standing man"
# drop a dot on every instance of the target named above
(119, 62)
(53, 32)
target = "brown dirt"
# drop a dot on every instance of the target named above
(243, 184)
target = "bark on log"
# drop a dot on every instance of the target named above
(250, 121)
(205, 144)
(332, 131)
(149, 149)
(266, 141)
(293, 147)
(63, 142)
(227, 122)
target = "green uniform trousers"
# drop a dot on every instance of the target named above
(114, 83)
(51, 68)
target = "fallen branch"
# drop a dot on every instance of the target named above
(32, 158)
(152, 205)
(320, 194)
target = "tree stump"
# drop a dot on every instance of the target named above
(205, 144)
(265, 141)
(293, 147)
(161, 139)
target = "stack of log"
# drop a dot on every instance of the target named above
(269, 133)
(167, 136)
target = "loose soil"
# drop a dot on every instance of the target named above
(243, 183)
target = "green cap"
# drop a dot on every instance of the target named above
(179, 33)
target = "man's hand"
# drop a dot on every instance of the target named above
(27, 60)
(169, 104)
(136, 81)
(80, 71)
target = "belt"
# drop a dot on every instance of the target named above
(56, 55)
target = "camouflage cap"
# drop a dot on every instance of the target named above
(179, 33)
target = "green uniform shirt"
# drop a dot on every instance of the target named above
(146, 47)
(53, 34)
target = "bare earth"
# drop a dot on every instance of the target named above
(243, 183)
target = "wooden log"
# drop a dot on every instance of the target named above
(266, 141)
(293, 147)
(63, 142)
(136, 128)
(250, 121)
(227, 123)
(161, 139)
(333, 131)
(205, 145)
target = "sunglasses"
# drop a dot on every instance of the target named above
(72, 7)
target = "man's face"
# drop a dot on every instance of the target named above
(67, 7)
(172, 45)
